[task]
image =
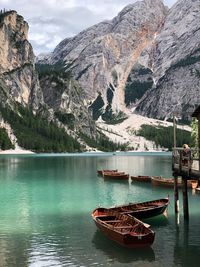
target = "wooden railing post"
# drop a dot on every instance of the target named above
(180, 161)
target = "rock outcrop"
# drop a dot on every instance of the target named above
(54, 96)
(175, 63)
(18, 78)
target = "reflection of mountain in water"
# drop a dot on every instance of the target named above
(119, 253)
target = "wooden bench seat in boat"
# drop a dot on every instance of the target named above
(112, 221)
(125, 226)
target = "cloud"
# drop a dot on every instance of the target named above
(51, 21)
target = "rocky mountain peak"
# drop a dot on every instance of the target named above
(13, 40)
(17, 70)
(102, 56)
(175, 61)
(179, 34)
(137, 58)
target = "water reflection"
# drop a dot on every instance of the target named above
(119, 253)
(158, 221)
(185, 247)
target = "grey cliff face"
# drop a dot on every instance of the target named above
(52, 96)
(17, 70)
(147, 57)
(102, 56)
(175, 64)
(65, 97)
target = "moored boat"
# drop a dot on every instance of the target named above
(124, 229)
(169, 182)
(100, 172)
(141, 210)
(141, 178)
(116, 175)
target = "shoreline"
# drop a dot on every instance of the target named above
(29, 152)
(15, 152)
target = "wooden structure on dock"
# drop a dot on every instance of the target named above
(188, 168)
(186, 165)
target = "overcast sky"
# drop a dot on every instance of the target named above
(50, 21)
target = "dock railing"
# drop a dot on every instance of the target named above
(186, 163)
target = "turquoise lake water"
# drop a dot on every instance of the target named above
(47, 200)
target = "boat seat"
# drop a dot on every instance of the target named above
(112, 221)
(125, 226)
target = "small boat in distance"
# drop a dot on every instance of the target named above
(116, 175)
(124, 229)
(141, 178)
(100, 172)
(140, 210)
(169, 182)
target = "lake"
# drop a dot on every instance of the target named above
(47, 200)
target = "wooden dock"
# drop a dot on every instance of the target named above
(188, 167)
(184, 165)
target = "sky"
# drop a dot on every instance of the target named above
(51, 21)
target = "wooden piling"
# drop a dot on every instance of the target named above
(185, 198)
(176, 196)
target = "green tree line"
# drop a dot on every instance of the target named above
(5, 142)
(102, 143)
(37, 134)
(164, 136)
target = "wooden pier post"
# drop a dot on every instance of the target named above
(176, 196)
(185, 198)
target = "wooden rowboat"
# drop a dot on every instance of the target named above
(169, 182)
(141, 178)
(124, 229)
(140, 210)
(116, 175)
(100, 172)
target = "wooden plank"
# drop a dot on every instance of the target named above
(176, 197)
(125, 226)
(185, 199)
(111, 221)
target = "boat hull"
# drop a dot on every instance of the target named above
(142, 210)
(116, 176)
(124, 229)
(100, 172)
(127, 240)
(144, 214)
(158, 181)
(145, 179)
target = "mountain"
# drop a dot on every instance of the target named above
(103, 83)
(175, 64)
(18, 78)
(147, 57)
(34, 118)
